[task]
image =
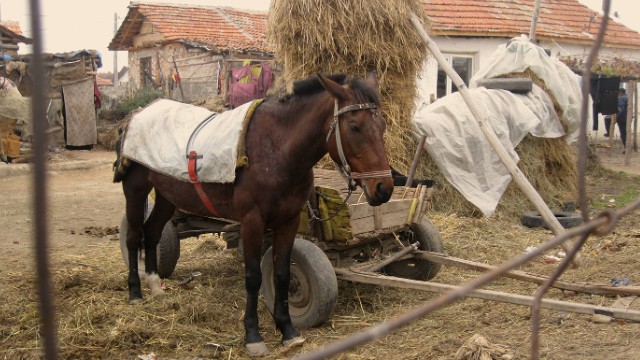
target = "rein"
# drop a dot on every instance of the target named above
(345, 169)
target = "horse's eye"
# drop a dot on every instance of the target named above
(354, 127)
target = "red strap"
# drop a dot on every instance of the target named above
(193, 176)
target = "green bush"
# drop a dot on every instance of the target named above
(138, 100)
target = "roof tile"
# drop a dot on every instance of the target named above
(221, 27)
(568, 20)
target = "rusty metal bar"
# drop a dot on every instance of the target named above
(378, 266)
(40, 201)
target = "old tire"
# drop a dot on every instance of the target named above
(418, 269)
(168, 249)
(533, 219)
(313, 292)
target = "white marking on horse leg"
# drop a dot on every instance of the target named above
(257, 349)
(154, 284)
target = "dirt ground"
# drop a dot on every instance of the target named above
(203, 320)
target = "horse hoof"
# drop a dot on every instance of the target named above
(257, 349)
(135, 301)
(293, 342)
(155, 285)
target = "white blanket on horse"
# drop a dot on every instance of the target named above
(158, 136)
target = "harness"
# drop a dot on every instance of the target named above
(345, 169)
(192, 157)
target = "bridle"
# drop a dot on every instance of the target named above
(345, 169)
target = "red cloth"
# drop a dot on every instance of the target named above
(97, 97)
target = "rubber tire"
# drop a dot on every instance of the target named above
(311, 268)
(533, 219)
(418, 269)
(168, 249)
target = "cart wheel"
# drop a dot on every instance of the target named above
(168, 249)
(313, 291)
(417, 269)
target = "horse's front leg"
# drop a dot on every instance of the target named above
(252, 231)
(283, 238)
(135, 188)
(162, 212)
(135, 218)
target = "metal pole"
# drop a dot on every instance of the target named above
(40, 201)
(493, 140)
(115, 52)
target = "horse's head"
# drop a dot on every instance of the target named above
(355, 137)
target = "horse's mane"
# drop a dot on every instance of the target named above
(312, 85)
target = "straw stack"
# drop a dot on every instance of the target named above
(356, 37)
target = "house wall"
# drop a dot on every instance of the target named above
(202, 73)
(480, 49)
(199, 71)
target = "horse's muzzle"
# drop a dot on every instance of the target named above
(383, 189)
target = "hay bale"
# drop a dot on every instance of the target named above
(553, 175)
(356, 37)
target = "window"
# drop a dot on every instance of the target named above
(463, 65)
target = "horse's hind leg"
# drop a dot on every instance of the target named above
(136, 188)
(162, 212)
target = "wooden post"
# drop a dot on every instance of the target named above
(416, 159)
(611, 130)
(493, 140)
(180, 79)
(635, 121)
(631, 90)
(534, 21)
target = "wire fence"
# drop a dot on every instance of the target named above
(603, 223)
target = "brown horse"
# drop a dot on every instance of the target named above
(285, 138)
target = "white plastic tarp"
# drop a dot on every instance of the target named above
(520, 54)
(456, 143)
(463, 155)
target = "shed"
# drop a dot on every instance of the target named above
(71, 90)
(192, 51)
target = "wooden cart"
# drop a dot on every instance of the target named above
(339, 233)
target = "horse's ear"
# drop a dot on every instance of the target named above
(372, 80)
(333, 87)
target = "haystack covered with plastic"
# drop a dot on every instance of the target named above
(536, 128)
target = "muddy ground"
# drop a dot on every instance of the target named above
(204, 318)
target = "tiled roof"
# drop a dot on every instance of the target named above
(13, 26)
(103, 82)
(13, 29)
(566, 20)
(222, 28)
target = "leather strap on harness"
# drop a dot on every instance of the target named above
(193, 176)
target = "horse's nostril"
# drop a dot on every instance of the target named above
(382, 192)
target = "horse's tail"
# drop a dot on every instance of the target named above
(122, 164)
